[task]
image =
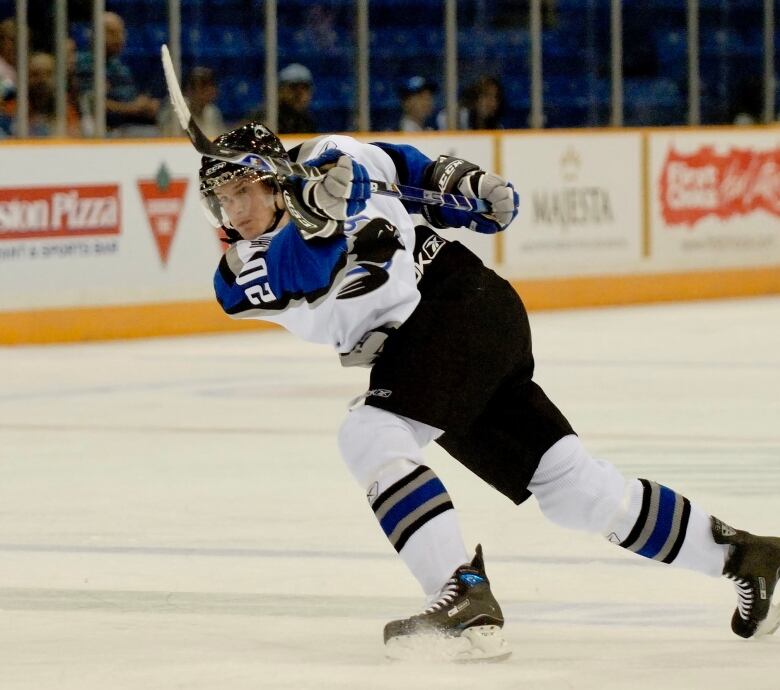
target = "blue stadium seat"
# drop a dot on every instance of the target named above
(333, 91)
(652, 102)
(232, 41)
(397, 43)
(517, 91)
(384, 93)
(81, 33)
(129, 10)
(239, 97)
(192, 41)
(155, 36)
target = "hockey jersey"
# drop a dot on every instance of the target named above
(331, 291)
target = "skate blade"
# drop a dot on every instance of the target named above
(478, 643)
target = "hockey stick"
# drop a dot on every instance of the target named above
(287, 168)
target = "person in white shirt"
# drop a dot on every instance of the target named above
(417, 103)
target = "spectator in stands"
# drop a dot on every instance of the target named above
(481, 108)
(7, 58)
(200, 92)
(41, 94)
(41, 101)
(417, 104)
(483, 103)
(74, 109)
(295, 91)
(128, 112)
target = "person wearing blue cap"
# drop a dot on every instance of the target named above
(417, 103)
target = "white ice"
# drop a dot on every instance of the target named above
(174, 514)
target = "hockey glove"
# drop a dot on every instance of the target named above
(319, 207)
(342, 193)
(455, 175)
(307, 218)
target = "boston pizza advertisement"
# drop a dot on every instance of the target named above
(715, 198)
(92, 225)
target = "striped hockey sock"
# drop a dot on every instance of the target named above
(417, 515)
(671, 529)
(660, 529)
(407, 505)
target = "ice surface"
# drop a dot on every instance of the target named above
(174, 513)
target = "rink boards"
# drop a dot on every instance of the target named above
(106, 239)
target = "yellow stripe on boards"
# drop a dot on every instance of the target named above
(186, 318)
(119, 322)
(602, 291)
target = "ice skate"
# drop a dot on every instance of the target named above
(753, 564)
(463, 624)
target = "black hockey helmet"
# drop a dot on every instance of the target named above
(253, 137)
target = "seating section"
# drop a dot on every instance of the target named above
(407, 38)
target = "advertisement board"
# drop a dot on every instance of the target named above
(580, 203)
(107, 239)
(715, 198)
(108, 224)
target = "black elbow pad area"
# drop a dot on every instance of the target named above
(309, 223)
(446, 172)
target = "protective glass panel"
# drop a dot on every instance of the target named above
(406, 66)
(318, 36)
(493, 65)
(224, 52)
(731, 44)
(655, 63)
(576, 48)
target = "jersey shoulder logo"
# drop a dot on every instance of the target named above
(370, 255)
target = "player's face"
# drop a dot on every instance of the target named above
(249, 204)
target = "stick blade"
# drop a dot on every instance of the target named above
(177, 97)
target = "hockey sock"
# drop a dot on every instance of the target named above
(417, 516)
(577, 491)
(656, 522)
(383, 452)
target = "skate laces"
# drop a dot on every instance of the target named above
(449, 592)
(745, 595)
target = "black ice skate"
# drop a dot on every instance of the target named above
(463, 624)
(753, 563)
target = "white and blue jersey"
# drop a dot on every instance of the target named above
(335, 290)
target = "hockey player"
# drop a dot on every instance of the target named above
(449, 347)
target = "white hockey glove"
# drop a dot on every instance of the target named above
(455, 175)
(319, 207)
(343, 192)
